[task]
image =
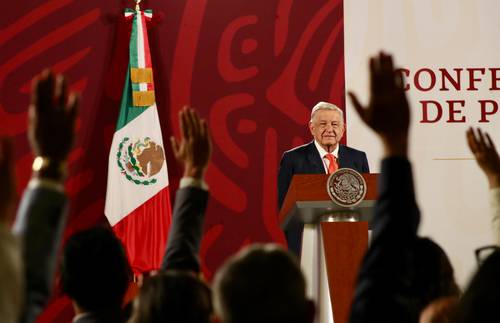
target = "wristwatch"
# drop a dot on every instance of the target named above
(47, 167)
(40, 163)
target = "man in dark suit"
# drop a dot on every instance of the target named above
(324, 155)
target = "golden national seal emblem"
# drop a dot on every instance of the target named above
(140, 160)
(346, 187)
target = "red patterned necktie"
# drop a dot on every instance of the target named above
(332, 166)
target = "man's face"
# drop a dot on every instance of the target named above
(327, 128)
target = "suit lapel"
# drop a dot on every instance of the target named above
(314, 159)
(341, 156)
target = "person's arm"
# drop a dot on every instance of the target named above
(488, 160)
(41, 216)
(382, 293)
(193, 152)
(11, 292)
(40, 223)
(186, 230)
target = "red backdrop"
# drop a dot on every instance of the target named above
(252, 68)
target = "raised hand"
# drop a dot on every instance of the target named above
(52, 116)
(195, 147)
(485, 154)
(6, 180)
(388, 112)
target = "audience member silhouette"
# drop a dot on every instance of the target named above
(481, 298)
(174, 297)
(95, 274)
(178, 295)
(193, 152)
(262, 283)
(433, 276)
(486, 155)
(384, 291)
(42, 212)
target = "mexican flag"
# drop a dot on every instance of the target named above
(137, 198)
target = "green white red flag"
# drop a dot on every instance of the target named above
(137, 198)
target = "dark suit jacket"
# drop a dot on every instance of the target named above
(383, 291)
(100, 318)
(306, 160)
(40, 222)
(186, 230)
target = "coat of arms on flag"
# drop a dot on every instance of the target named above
(137, 198)
(141, 160)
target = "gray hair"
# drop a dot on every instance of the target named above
(326, 106)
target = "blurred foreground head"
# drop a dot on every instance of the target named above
(12, 281)
(262, 283)
(174, 297)
(481, 299)
(434, 275)
(95, 270)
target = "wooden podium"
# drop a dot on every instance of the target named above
(334, 241)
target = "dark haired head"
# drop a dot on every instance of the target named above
(481, 299)
(433, 277)
(174, 297)
(262, 283)
(95, 270)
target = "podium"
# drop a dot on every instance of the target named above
(334, 241)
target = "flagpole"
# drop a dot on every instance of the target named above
(137, 7)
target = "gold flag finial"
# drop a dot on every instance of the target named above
(137, 7)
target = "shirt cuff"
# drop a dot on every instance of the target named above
(193, 182)
(46, 183)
